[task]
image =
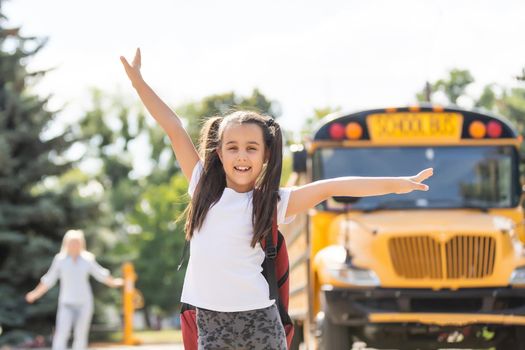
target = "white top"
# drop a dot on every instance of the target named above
(224, 271)
(74, 277)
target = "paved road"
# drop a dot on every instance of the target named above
(357, 346)
(173, 347)
(117, 347)
(142, 347)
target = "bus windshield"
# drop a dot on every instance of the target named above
(464, 177)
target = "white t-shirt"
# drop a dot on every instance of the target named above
(74, 277)
(224, 271)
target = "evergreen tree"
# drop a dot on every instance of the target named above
(38, 203)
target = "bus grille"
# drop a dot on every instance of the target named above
(462, 256)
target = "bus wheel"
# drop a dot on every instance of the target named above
(333, 336)
(515, 339)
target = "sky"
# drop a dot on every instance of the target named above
(303, 54)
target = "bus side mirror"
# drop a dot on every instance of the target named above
(298, 158)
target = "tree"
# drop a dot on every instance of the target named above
(197, 112)
(508, 102)
(318, 114)
(158, 244)
(521, 77)
(110, 131)
(40, 197)
(453, 87)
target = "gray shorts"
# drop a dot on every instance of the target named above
(246, 330)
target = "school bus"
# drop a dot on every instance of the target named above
(436, 269)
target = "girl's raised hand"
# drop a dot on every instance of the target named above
(411, 183)
(133, 69)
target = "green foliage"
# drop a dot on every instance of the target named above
(159, 242)
(39, 197)
(318, 114)
(196, 113)
(452, 87)
(508, 102)
(521, 77)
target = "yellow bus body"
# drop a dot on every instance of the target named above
(424, 249)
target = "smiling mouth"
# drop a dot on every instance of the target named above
(242, 169)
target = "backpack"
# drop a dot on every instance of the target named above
(275, 270)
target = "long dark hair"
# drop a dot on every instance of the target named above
(213, 179)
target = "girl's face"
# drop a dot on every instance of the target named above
(73, 247)
(242, 153)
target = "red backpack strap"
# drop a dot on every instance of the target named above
(277, 271)
(264, 242)
(270, 250)
(282, 268)
(274, 227)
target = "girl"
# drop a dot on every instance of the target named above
(234, 184)
(73, 265)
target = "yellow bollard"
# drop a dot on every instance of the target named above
(130, 296)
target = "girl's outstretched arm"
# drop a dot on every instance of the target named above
(37, 293)
(181, 143)
(307, 196)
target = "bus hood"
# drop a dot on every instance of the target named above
(431, 249)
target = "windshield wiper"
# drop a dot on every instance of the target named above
(430, 203)
(471, 205)
(465, 204)
(393, 204)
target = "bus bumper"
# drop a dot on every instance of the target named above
(356, 307)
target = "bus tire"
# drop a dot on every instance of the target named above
(515, 340)
(334, 336)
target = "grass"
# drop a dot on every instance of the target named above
(168, 336)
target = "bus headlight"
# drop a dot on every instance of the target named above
(352, 275)
(518, 276)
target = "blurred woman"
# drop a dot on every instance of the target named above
(73, 265)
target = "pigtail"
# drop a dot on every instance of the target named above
(266, 193)
(212, 181)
